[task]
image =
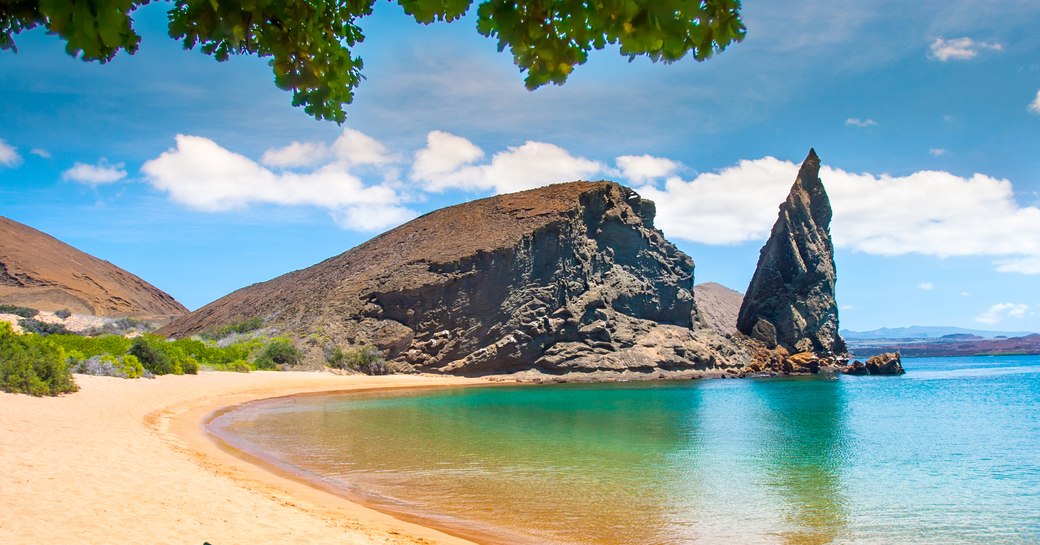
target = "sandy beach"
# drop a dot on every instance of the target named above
(127, 461)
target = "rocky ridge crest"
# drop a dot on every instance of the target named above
(568, 278)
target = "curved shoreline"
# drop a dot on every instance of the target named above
(129, 461)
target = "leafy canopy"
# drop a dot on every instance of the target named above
(309, 41)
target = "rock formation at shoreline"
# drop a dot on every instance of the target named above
(790, 300)
(41, 272)
(565, 278)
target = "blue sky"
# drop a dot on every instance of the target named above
(202, 178)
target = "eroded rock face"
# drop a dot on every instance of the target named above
(790, 300)
(566, 278)
(888, 363)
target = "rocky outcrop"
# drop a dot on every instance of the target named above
(718, 306)
(790, 300)
(41, 272)
(885, 364)
(569, 278)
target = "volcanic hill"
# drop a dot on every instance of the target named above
(41, 272)
(566, 278)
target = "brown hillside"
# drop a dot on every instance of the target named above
(41, 272)
(569, 277)
(718, 306)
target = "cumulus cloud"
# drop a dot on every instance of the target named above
(449, 162)
(94, 175)
(1034, 106)
(9, 155)
(444, 154)
(645, 168)
(297, 154)
(927, 212)
(201, 174)
(926, 286)
(960, 49)
(937, 152)
(857, 122)
(998, 312)
(40, 152)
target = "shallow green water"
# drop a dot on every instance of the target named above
(949, 453)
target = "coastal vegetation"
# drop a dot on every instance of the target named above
(31, 364)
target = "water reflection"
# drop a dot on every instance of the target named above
(568, 464)
(804, 450)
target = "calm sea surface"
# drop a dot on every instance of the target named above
(948, 453)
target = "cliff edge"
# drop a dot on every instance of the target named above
(561, 279)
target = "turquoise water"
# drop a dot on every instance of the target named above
(948, 453)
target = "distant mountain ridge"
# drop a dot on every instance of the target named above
(925, 332)
(41, 272)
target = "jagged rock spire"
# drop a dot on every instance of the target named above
(790, 300)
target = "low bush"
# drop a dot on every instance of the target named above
(146, 349)
(24, 312)
(127, 366)
(63, 313)
(277, 352)
(32, 325)
(363, 359)
(244, 326)
(33, 365)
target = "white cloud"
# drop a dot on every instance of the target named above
(444, 154)
(1034, 106)
(297, 154)
(926, 286)
(937, 152)
(94, 175)
(965, 294)
(201, 174)
(998, 312)
(960, 49)
(40, 152)
(927, 212)
(355, 148)
(857, 122)
(642, 169)
(9, 155)
(447, 163)
(1021, 265)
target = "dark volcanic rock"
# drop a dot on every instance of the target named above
(39, 271)
(856, 368)
(790, 300)
(570, 277)
(885, 364)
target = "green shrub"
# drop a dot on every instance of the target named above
(244, 326)
(239, 366)
(24, 312)
(32, 365)
(130, 366)
(146, 349)
(363, 359)
(278, 351)
(32, 325)
(115, 345)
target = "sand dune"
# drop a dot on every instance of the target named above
(127, 461)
